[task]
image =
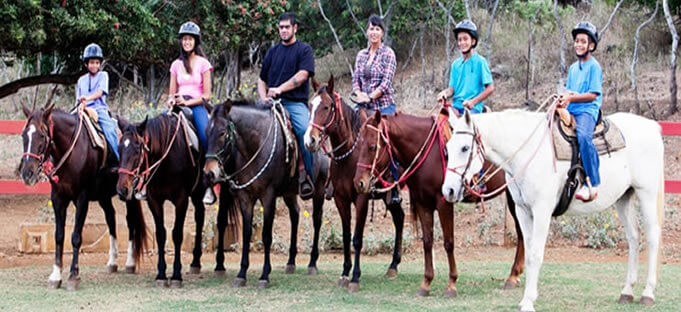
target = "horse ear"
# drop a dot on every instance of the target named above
(48, 111)
(26, 111)
(377, 116)
(226, 107)
(143, 125)
(363, 114)
(315, 85)
(122, 123)
(467, 116)
(329, 86)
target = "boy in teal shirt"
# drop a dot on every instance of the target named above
(470, 79)
(92, 90)
(583, 100)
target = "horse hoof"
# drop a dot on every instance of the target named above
(343, 282)
(647, 301)
(220, 273)
(161, 283)
(195, 270)
(451, 293)
(239, 282)
(130, 269)
(290, 269)
(176, 284)
(263, 284)
(353, 287)
(510, 285)
(626, 299)
(112, 268)
(423, 292)
(54, 284)
(312, 271)
(392, 273)
(72, 284)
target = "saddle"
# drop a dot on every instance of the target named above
(186, 117)
(607, 138)
(95, 133)
(293, 154)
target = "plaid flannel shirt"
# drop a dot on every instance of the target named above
(382, 71)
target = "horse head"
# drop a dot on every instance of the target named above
(37, 138)
(465, 158)
(221, 138)
(133, 149)
(323, 107)
(374, 152)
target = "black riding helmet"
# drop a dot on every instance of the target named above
(469, 27)
(190, 28)
(92, 50)
(588, 29)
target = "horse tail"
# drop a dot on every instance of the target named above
(228, 209)
(137, 225)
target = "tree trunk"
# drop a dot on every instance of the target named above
(232, 71)
(635, 57)
(672, 67)
(607, 25)
(14, 86)
(488, 51)
(562, 68)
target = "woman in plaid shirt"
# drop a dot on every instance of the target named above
(372, 83)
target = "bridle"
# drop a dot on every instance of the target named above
(336, 109)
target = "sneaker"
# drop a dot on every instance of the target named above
(209, 196)
(585, 194)
(395, 198)
(141, 195)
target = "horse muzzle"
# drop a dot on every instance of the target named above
(212, 171)
(311, 142)
(29, 173)
(452, 194)
(364, 184)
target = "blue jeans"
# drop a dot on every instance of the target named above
(201, 123)
(110, 129)
(300, 118)
(590, 161)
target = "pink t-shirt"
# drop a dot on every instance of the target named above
(190, 84)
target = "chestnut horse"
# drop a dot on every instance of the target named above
(57, 144)
(401, 138)
(334, 119)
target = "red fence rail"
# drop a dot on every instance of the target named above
(669, 128)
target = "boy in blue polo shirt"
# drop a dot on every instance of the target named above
(470, 79)
(583, 100)
(91, 91)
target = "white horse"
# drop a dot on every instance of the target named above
(516, 141)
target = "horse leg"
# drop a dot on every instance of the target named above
(344, 210)
(652, 212)
(541, 219)
(426, 218)
(110, 216)
(446, 214)
(398, 221)
(357, 241)
(130, 263)
(294, 216)
(513, 280)
(630, 224)
(222, 226)
(77, 239)
(59, 205)
(199, 217)
(269, 204)
(246, 206)
(317, 215)
(156, 208)
(181, 204)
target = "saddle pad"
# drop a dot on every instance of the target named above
(190, 131)
(607, 138)
(96, 134)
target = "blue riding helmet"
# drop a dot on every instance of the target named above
(92, 50)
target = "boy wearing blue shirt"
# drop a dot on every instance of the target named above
(92, 90)
(583, 101)
(470, 79)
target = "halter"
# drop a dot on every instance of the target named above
(44, 164)
(479, 154)
(228, 145)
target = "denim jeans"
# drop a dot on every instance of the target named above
(110, 129)
(300, 118)
(200, 115)
(590, 161)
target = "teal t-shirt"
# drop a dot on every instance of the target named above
(468, 79)
(582, 78)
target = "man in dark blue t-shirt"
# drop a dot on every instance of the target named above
(284, 74)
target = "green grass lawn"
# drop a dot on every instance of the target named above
(562, 287)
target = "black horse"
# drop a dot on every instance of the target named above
(57, 144)
(247, 152)
(155, 153)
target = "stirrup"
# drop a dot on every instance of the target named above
(306, 188)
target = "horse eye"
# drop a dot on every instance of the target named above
(326, 108)
(465, 149)
(372, 147)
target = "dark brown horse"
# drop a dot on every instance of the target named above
(334, 119)
(57, 144)
(247, 153)
(156, 153)
(414, 143)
